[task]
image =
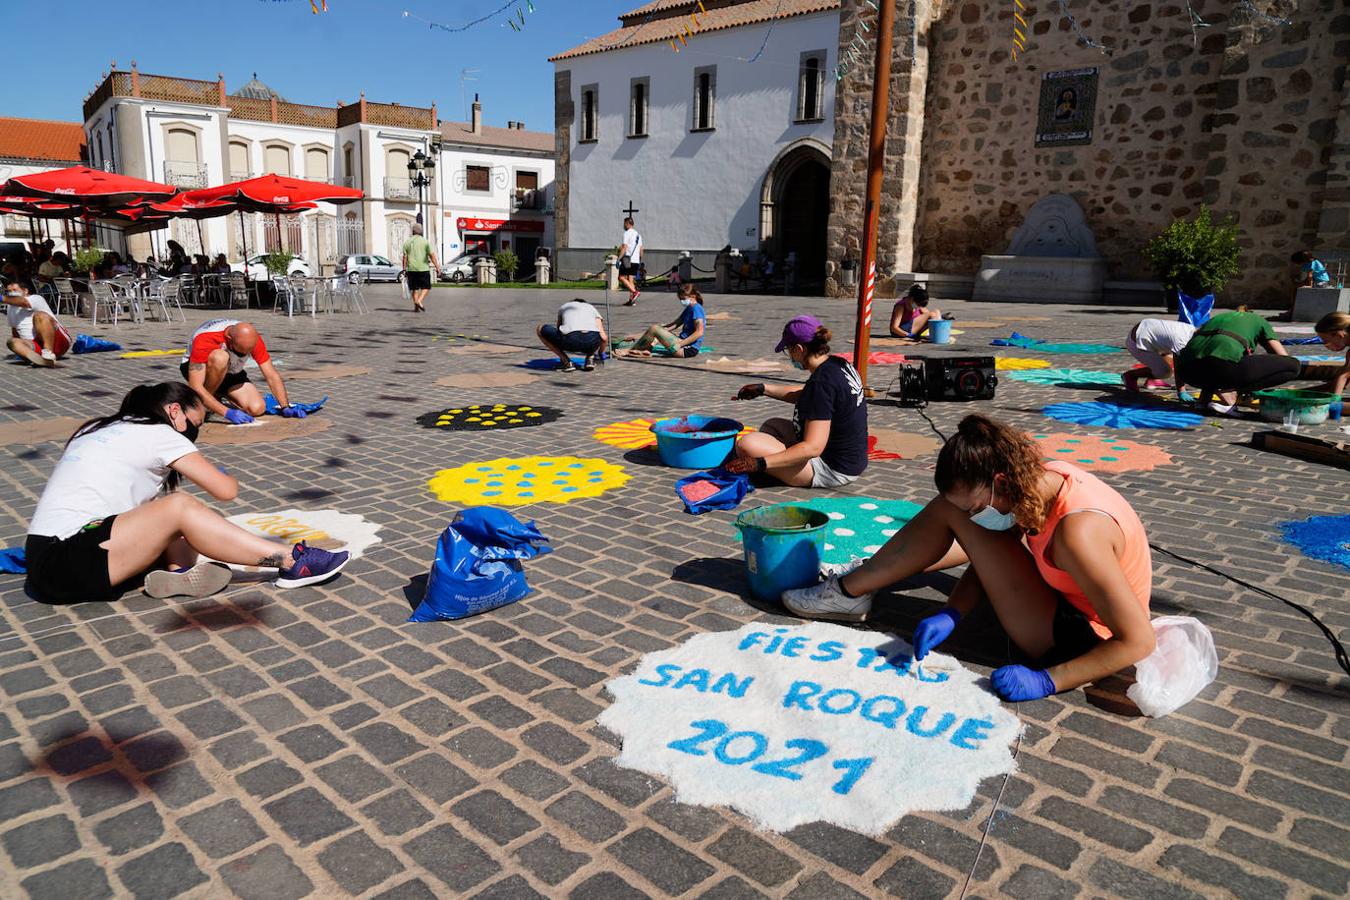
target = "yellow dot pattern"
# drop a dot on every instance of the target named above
(1004, 363)
(634, 434)
(488, 417)
(522, 480)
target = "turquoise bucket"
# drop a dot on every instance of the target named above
(940, 331)
(782, 545)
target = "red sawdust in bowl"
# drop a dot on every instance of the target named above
(698, 491)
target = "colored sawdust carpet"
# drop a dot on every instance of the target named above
(1322, 358)
(1102, 455)
(1029, 343)
(1013, 363)
(33, 431)
(549, 364)
(1067, 376)
(745, 366)
(263, 430)
(322, 372)
(151, 354)
(486, 380)
(517, 481)
(858, 525)
(483, 349)
(879, 358)
(1322, 537)
(1115, 415)
(634, 434)
(900, 444)
(488, 417)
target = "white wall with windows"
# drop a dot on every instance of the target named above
(501, 196)
(705, 119)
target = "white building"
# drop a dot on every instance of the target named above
(36, 145)
(748, 122)
(193, 133)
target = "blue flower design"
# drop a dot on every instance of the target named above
(1322, 537)
(1113, 415)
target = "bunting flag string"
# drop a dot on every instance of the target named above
(852, 53)
(514, 10)
(1019, 40)
(1082, 35)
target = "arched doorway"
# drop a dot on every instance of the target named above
(795, 211)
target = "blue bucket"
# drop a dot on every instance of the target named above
(695, 442)
(940, 331)
(783, 545)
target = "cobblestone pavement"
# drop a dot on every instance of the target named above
(275, 744)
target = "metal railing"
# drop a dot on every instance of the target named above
(185, 174)
(321, 179)
(240, 176)
(399, 189)
(529, 198)
(345, 181)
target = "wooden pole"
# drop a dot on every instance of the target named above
(876, 159)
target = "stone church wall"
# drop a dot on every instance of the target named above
(1243, 116)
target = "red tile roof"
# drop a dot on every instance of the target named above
(671, 25)
(41, 139)
(510, 138)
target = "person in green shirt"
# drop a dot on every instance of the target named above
(418, 258)
(1221, 359)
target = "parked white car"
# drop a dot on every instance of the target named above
(257, 269)
(368, 267)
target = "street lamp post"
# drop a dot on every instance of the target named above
(420, 169)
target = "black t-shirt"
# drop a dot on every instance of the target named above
(835, 392)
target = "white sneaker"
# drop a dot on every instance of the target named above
(827, 601)
(49, 356)
(1222, 409)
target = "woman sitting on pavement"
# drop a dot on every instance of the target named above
(1334, 330)
(1221, 359)
(825, 444)
(1061, 556)
(100, 524)
(911, 315)
(692, 323)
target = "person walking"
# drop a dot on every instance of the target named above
(418, 258)
(630, 261)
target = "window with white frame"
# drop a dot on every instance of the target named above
(590, 113)
(639, 96)
(705, 98)
(811, 87)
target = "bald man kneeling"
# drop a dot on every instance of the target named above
(214, 368)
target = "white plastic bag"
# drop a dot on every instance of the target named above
(1180, 667)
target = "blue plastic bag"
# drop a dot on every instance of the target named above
(13, 561)
(274, 407)
(87, 343)
(1194, 310)
(478, 564)
(731, 491)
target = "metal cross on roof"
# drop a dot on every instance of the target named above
(631, 209)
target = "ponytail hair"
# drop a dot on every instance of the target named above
(820, 343)
(689, 292)
(144, 405)
(983, 448)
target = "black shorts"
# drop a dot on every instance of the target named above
(1073, 634)
(73, 570)
(418, 281)
(631, 269)
(572, 341)
(231, 381)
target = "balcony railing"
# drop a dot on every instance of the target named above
(345, 181)
(322, 179)
(399, 189)
(529, 198)
(240, 176)
(185, 174)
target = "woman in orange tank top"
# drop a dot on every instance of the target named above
(1060, 555)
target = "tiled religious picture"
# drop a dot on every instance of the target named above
(1068, 104)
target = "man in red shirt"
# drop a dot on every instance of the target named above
(214, 368)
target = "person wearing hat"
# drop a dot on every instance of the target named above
(825, 443)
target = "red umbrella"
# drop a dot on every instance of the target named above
(275, 193)
(88, 187)
(187, 206)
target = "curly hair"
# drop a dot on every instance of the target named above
(982, 449)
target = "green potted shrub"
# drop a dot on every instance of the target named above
(507, 263)
(83, 261)
(277, 262)
(1196, 257)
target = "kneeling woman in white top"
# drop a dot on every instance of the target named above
(100, 525)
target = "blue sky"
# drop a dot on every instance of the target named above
(358, 45)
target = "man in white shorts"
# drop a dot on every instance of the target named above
(1155, 343)
(35, 332)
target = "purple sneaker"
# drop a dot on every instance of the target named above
(312, 565)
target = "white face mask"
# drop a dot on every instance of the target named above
(687, 302)
(991, 518)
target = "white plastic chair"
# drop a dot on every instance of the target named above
(107, 295)
(66, 294)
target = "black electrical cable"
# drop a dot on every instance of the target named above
(1338, 649)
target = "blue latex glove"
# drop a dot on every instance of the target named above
(1185, 396)
(1017, 683)
(934, 630)
(237, 417)
(293, 412)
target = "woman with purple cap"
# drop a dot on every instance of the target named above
(825, 443)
